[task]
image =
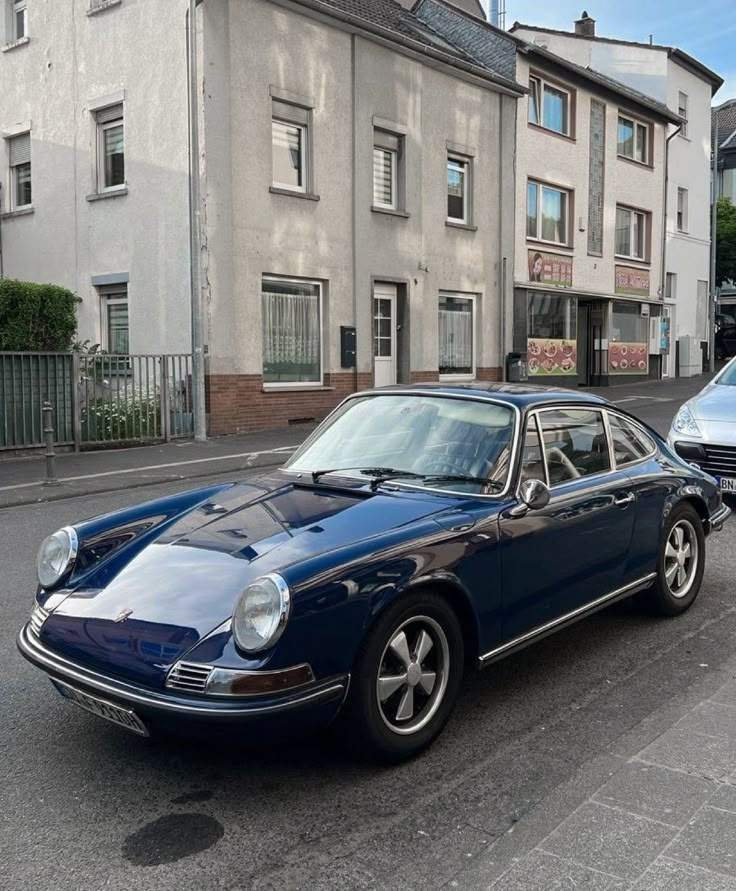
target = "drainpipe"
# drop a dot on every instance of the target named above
(713, 234)
(1, 233)
(663, 271)
(195, 229)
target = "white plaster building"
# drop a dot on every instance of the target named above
(686, 86)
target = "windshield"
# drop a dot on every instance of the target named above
(728, 375)
(430, 437)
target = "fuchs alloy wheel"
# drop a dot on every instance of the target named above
(681, 562)
(406, 678)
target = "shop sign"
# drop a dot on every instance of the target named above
(546, 355)
(550, 269)
(634, 282)
(628, 358)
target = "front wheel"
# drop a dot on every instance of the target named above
(406, 678)
(681, 562)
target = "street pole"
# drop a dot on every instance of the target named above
(195, 233)
(713, 238)
(47, 412)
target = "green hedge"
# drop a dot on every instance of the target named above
(36, 318)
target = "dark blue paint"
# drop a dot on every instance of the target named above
(179, 563)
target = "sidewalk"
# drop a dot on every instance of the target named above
(656, 814)
(21, 479)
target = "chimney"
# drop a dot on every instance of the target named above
(585, 25)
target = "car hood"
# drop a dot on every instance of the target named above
(186, 582)
(717, 402)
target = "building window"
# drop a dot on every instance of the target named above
(670, 286)
(682, 200)
(631, 233)
(20, 171)
(292, 332)
(457, 336)
(682, 110)
(110, 148)
(549, 106)
(114, 315)
(289, 141)
(386, 161)
(458, 189)
(633, 140)
(19, 28)
(551, 335)
(547, 212)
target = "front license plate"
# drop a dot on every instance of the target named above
(727, 485)
(123, 717)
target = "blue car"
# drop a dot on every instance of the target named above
(418, 532)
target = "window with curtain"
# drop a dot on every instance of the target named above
(547, 213)
(292, 332)
(115, 327)
(631, 233)
(456, 335)
(19, 149)
(549, 106)
(386, 158)
(289, 131)
(110, 148)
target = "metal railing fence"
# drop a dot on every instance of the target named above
(99, 399)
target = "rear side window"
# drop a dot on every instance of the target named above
(629, 442)
(575, 443)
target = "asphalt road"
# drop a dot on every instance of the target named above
(85, 806)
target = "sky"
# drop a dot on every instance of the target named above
(706, 29)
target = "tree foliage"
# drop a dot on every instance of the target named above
(36, 318)
(726, 241)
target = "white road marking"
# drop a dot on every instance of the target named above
(250, 456)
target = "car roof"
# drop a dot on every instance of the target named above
(521, 395)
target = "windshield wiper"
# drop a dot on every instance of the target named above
(379, 472)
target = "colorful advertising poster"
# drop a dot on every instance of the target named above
(546, 355)
(550, 269)
(634, 282)
(628, 358)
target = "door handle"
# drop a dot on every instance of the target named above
(629, 498)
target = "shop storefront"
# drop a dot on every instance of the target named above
(580, 340)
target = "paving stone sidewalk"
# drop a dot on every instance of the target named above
(664, 819)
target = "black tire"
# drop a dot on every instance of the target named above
(375, 726)
(667, 595)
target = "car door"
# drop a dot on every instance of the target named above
(571, 552)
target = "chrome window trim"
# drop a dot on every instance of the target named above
(514, 459)
(634, 423)
(579, 612)
(591, 476)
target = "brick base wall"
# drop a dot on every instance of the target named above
(238, 403)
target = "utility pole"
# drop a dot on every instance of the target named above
(713, 238)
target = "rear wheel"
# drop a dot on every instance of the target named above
(406, 678)
(681, 562)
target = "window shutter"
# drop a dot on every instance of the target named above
(294, 114)
(20, 149)
(111, 113)
(384, 140)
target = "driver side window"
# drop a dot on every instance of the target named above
(575, 443)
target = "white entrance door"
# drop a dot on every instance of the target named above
(384, 335)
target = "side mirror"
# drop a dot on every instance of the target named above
(534, 494)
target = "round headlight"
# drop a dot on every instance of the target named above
(56, 556)
(261, 613)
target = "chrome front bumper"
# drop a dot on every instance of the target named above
(717, 519)
(166, 703)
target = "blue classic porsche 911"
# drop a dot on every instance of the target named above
(418, 531)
